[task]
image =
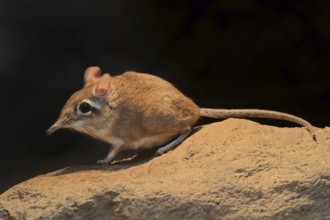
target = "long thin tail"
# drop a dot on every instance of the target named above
(256, 113)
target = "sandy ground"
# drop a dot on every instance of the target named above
(228, 170)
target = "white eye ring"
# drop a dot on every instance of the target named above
(86, 106)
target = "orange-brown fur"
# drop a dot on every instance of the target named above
(135, 110)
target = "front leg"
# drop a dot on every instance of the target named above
(114, 150)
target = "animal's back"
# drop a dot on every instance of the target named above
(157, 103)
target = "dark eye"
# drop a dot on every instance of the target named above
(84, 108)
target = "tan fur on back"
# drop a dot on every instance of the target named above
(150, 105)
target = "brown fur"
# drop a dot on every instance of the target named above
(140, 110)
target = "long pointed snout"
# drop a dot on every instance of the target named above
(60, 123)
(52, 129)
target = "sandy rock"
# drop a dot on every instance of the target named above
(228, 170)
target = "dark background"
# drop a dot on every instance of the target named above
(225, 54)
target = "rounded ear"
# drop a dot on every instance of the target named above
(92, 75)
(104, 87)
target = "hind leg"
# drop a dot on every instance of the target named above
(173, 144)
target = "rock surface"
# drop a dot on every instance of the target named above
(235, 169)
